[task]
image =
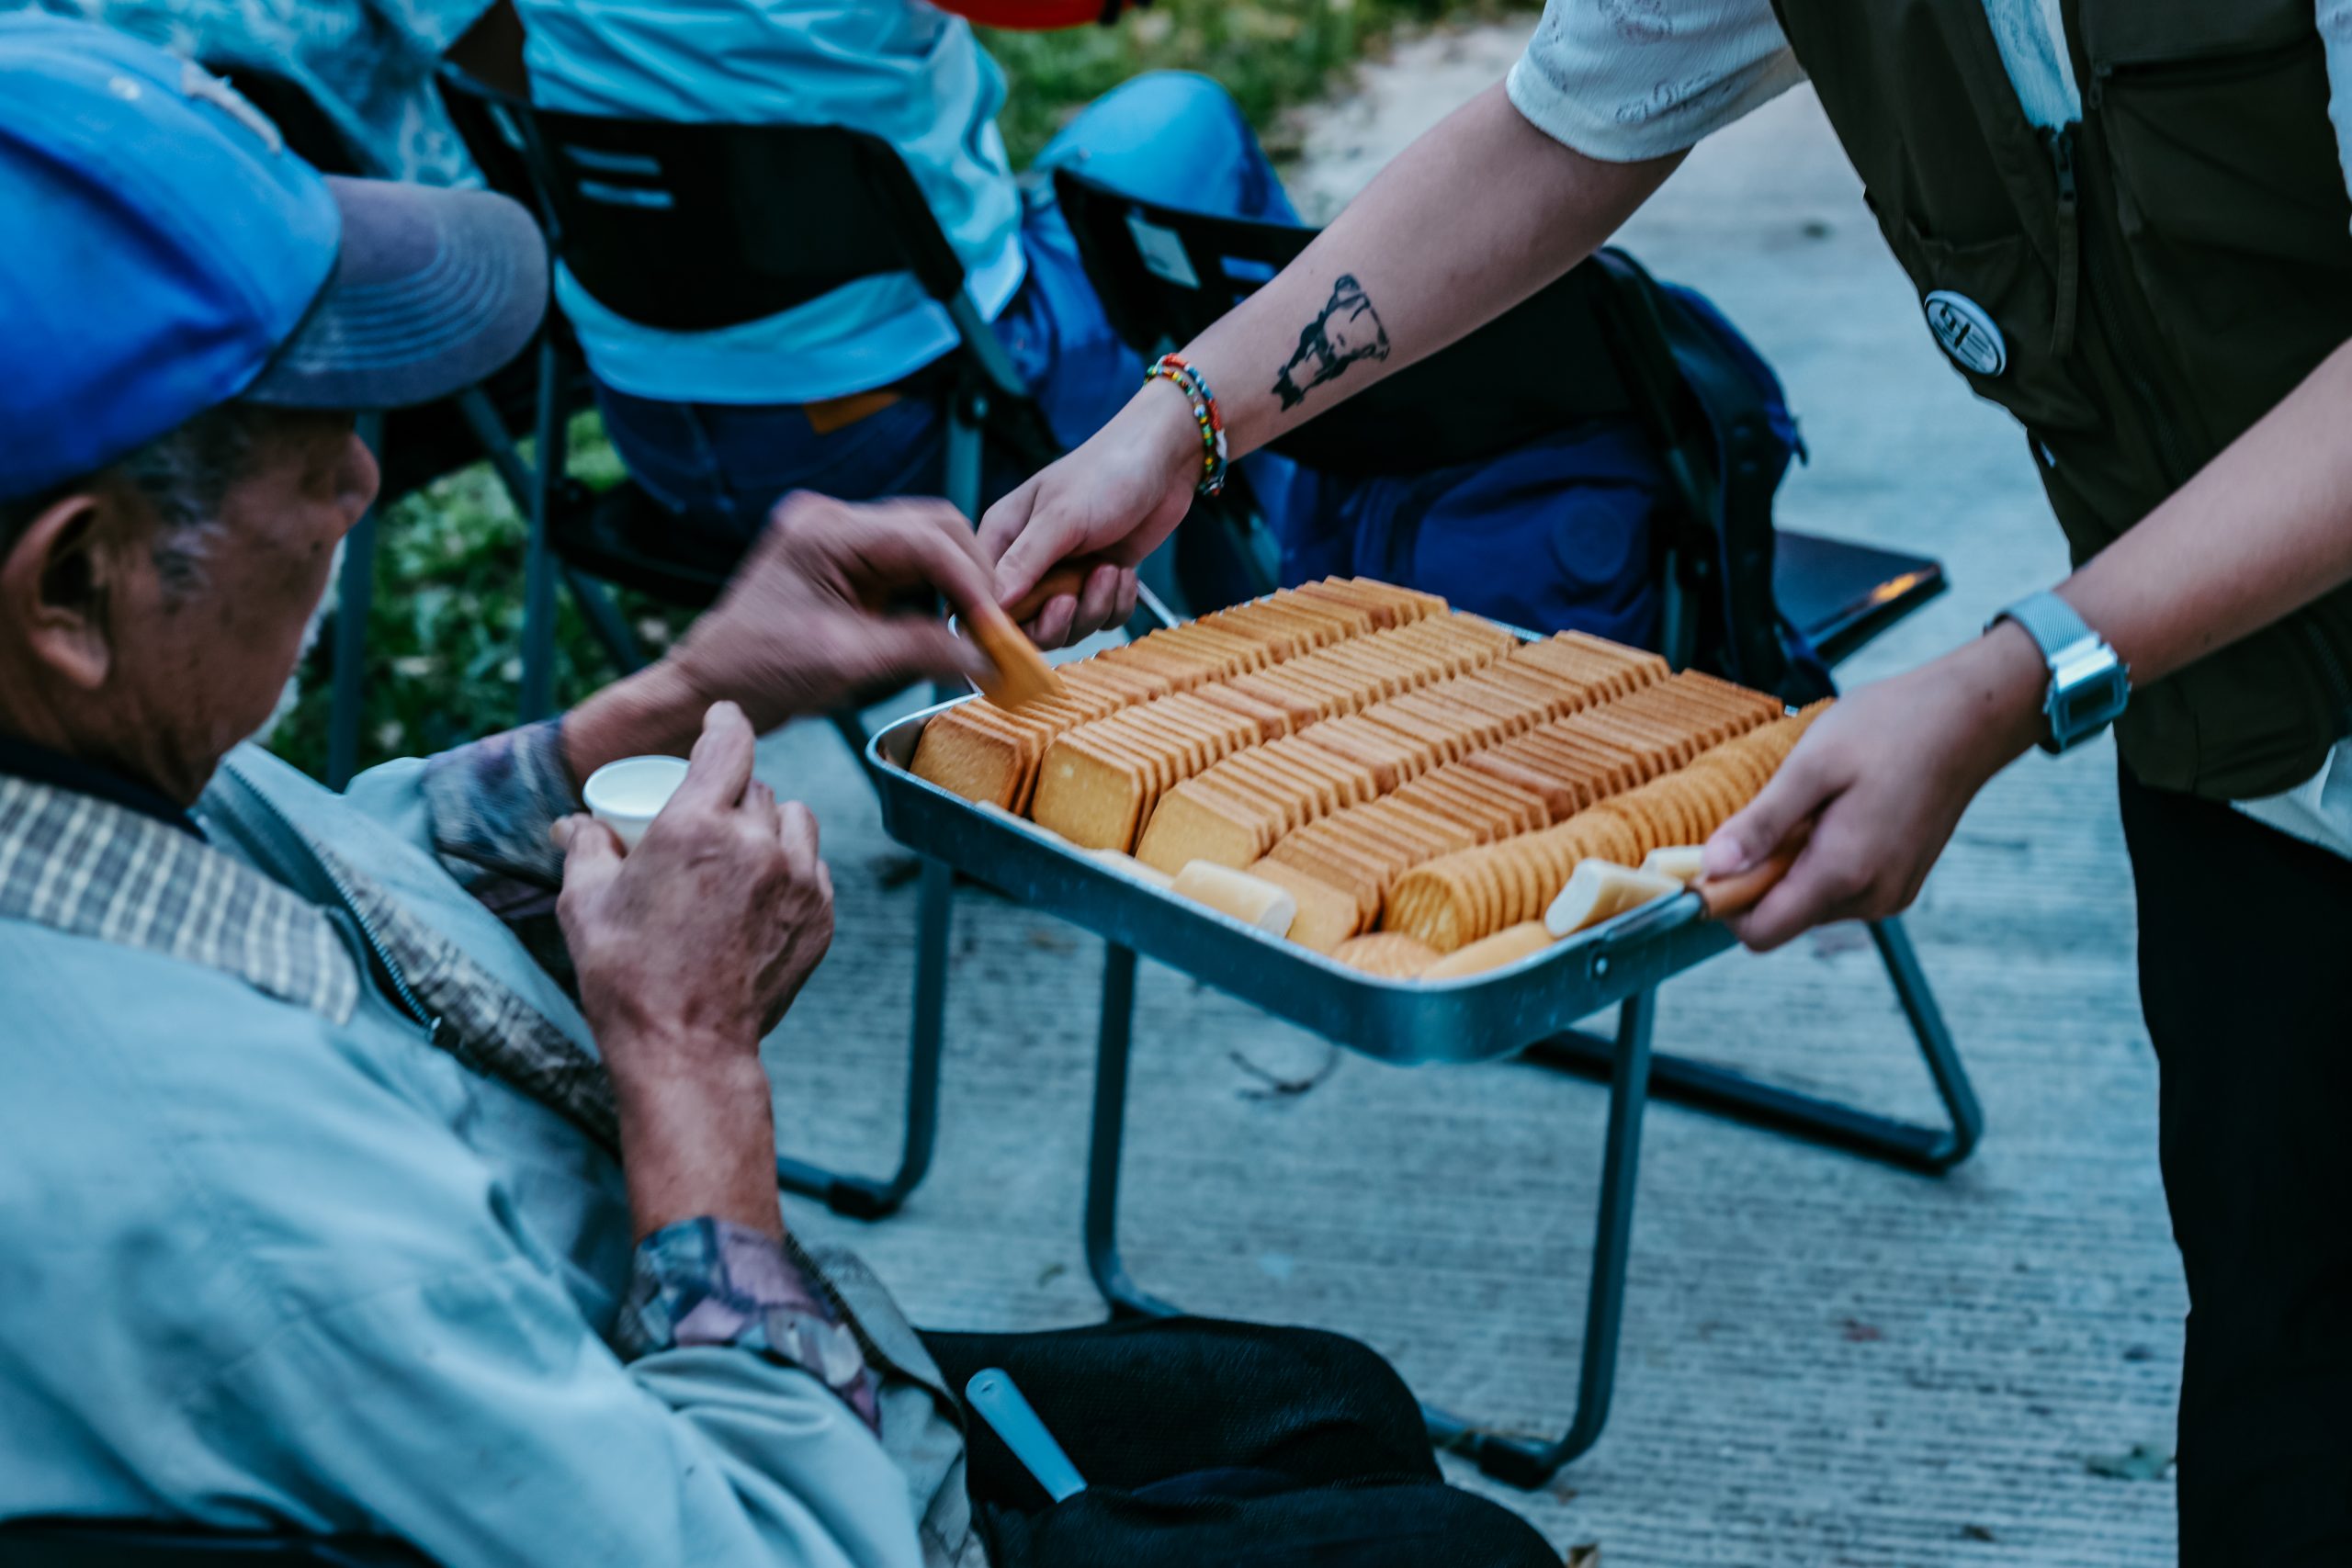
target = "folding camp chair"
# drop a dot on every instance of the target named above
(1164, 275)
(697, 227)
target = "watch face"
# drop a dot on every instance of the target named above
(2086, 695)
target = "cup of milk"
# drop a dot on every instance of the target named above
(627, 795)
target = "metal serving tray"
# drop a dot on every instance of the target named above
(1401, 1021)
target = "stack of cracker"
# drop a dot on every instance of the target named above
(1504, 791)
(1233, 812)
(987, 753)
(1100, 781)
(1454, 899)
(1410, 787)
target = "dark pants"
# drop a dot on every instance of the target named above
(1223, 1445)
(2245, 972)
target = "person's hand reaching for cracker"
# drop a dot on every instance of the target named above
(834, 604)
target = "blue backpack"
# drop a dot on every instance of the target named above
(1567, 530)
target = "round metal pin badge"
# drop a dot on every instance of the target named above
(1967, 333)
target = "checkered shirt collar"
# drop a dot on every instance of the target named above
(90, 868)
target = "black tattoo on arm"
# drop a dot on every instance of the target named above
(1346, 330)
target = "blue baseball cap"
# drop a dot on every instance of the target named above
(162, 251)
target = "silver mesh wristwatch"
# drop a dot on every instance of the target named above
(2088, 684)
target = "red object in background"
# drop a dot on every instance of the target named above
(1033, 16)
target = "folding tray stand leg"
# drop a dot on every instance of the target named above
(1706, 1087)
(1514, 1461)
(1627, 1062)
(863, 1197)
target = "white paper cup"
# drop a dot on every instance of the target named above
(628, 794)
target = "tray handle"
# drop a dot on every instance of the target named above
(1709, 898)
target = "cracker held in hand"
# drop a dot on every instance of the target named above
(1023, 676)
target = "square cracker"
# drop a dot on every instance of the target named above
(1327, 915)
(1089, 793)
(1189, 824)
(1334, 869)
(971, 760)
(1353, 618)
(1386, 611)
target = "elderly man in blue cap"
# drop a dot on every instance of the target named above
(327, 1209)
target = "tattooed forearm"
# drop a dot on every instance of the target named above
(1346, 330)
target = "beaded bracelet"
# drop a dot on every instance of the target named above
(1205, 414)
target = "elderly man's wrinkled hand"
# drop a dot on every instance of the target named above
(834, 605)
(690, 947)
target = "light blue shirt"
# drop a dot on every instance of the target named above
(2031, 35)
(901, 70)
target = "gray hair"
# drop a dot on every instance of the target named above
(182, 476)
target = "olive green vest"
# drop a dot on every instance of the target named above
(2160, 276)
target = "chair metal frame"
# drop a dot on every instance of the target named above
(1627, 1058)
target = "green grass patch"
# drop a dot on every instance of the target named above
(1270, 54)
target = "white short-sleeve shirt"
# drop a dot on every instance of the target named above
(1620, 80)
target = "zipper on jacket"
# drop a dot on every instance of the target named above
(407, 998)
(2070, 241)
(2063, 144)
